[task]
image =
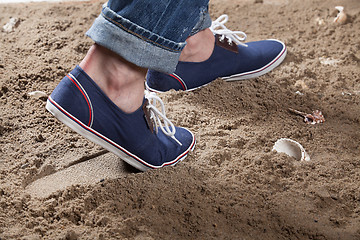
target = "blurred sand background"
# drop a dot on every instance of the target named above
(54, 184)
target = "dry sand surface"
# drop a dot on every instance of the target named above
(54, 184)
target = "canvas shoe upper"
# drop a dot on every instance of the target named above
(230, 60)
(145, 139)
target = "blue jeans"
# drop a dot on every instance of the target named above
(149, 33)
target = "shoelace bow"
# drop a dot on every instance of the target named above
(218, 27)
(166, 126)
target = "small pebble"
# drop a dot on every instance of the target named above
(40, 138)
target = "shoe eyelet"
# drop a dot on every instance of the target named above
(222, 38)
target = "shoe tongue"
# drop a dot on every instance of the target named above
(147, 115)
(225, 44)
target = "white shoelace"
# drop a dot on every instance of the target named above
(166, 126)
(218, 27)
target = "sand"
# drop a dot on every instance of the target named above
(54, 184)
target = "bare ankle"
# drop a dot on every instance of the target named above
(120, 80)
(199, 47)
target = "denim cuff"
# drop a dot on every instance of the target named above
(134, 43)
(137, 44)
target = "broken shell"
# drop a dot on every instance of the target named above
(37, 94)
(315, 117)
(341, 17)
(291, 148)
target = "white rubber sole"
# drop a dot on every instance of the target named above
(89, 133)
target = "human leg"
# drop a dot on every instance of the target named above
(121, 81)
(105, 102)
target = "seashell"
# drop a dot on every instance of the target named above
(11, 25)
(291, 148)
(341, 17)
(37, 94)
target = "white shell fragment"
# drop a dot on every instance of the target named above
(291, 148)
(319, 21)
(329, 61)
(341, 17)
(11, 25)
(37, 94)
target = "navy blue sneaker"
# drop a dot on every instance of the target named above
(231, 60)
(145, 139)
